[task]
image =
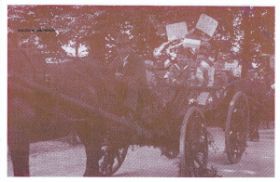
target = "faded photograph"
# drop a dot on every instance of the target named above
(135, 91)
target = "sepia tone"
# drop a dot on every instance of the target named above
(183, 91)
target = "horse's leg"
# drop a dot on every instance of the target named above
(20, 124)
(254, 124)
(19, 151)
(20, 160)
(90, 134)
(93, 156)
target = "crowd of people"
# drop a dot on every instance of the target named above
(178, 62)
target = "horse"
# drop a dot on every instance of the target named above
(43, 104)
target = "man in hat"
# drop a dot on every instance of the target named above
(131, 72)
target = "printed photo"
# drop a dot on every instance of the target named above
(138, 91)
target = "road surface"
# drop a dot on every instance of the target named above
(57, 158)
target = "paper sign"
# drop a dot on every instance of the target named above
(192, 43)
(176, 30)
(207, 24)
(202, 98)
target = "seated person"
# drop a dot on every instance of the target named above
(205, 70)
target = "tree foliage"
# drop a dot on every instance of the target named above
(98, 28)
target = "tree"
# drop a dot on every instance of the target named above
(258, 27)
(98, 27)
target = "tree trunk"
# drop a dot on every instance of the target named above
(246, 54)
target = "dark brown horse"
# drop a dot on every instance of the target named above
(46, 101)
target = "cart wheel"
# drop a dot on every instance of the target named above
(236, 132)
(111, 158)
(193, 144)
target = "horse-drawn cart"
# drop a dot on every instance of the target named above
(181, 130)
(181, 109)
(174, 113)
(177, 124)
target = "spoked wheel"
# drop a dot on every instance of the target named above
(193, 144)
(237, 127)
(111, 158)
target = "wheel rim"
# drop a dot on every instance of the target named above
(193, 144)
(236, 128)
